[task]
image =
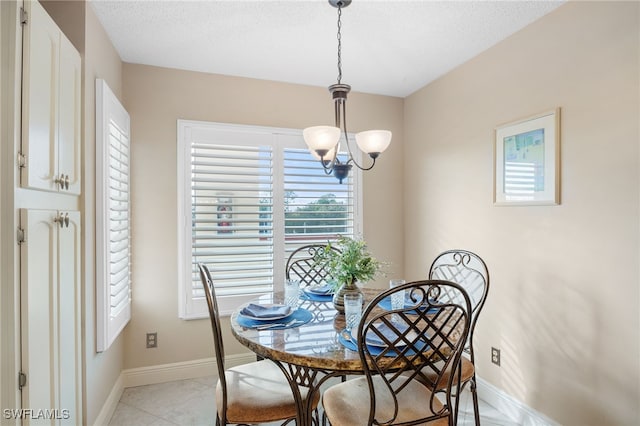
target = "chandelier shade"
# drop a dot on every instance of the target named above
(324, 141)
(373, 142)
(321, 139)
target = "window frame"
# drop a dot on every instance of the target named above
(280, 139)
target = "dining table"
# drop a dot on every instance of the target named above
(309, 352)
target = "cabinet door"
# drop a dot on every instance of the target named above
(51, 111)
(69, 332)
(50, 280)
(40, 99)
(38, 270)
(69, 116)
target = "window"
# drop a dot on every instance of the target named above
(248, 196)
(113, 217)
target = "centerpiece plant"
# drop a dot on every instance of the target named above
(350, 263)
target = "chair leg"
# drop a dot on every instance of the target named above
(474, 394)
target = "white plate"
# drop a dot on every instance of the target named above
(271, 318)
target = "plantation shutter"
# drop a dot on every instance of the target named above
(113, 217)
(232, 224)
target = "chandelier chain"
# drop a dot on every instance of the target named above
(339, 37)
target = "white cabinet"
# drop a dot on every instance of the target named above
(50, 106)
(51, 335)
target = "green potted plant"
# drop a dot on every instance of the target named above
(351, 263)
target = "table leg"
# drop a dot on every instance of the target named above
(300, 376)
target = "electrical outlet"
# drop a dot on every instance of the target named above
(152, 340)
(495, 356)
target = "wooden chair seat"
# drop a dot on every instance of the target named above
(468, 371)
(258, 393)
(347, 404)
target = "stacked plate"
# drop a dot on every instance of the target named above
(267, 312)
(321, 293)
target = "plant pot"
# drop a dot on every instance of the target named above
(338, 297)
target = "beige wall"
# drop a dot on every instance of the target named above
(155, 99)
(101, 369)
(563, 304)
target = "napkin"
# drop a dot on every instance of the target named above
(265, 311)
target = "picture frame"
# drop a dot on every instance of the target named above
(225, 214)
(527, 161)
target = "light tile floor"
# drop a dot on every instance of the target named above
(191, 402)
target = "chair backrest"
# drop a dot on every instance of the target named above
(302, 265)
(470, 271)
(416, 342)
(214, 315)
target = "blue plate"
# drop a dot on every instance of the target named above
(350, 343)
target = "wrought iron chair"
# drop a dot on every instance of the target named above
(470, 271)
(252, 393)
(301, 265)
(398, 348)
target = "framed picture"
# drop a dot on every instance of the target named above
(527, 161)
(225, 214)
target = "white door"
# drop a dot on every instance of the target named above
(50, 303)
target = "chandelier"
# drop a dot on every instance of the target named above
(324, 141)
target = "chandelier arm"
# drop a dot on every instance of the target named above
(329, 165)
(346, 137)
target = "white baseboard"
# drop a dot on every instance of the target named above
(180, 370)
(109, 406)
(513, 409)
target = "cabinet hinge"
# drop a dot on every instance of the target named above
(22, 160)
(22, 380)
(23, 16)
(21, 236)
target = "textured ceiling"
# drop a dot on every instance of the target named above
(389, 47)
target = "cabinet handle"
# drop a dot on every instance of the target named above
(63, 181)
(60, 181)
(62, 220)
(59, 220)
